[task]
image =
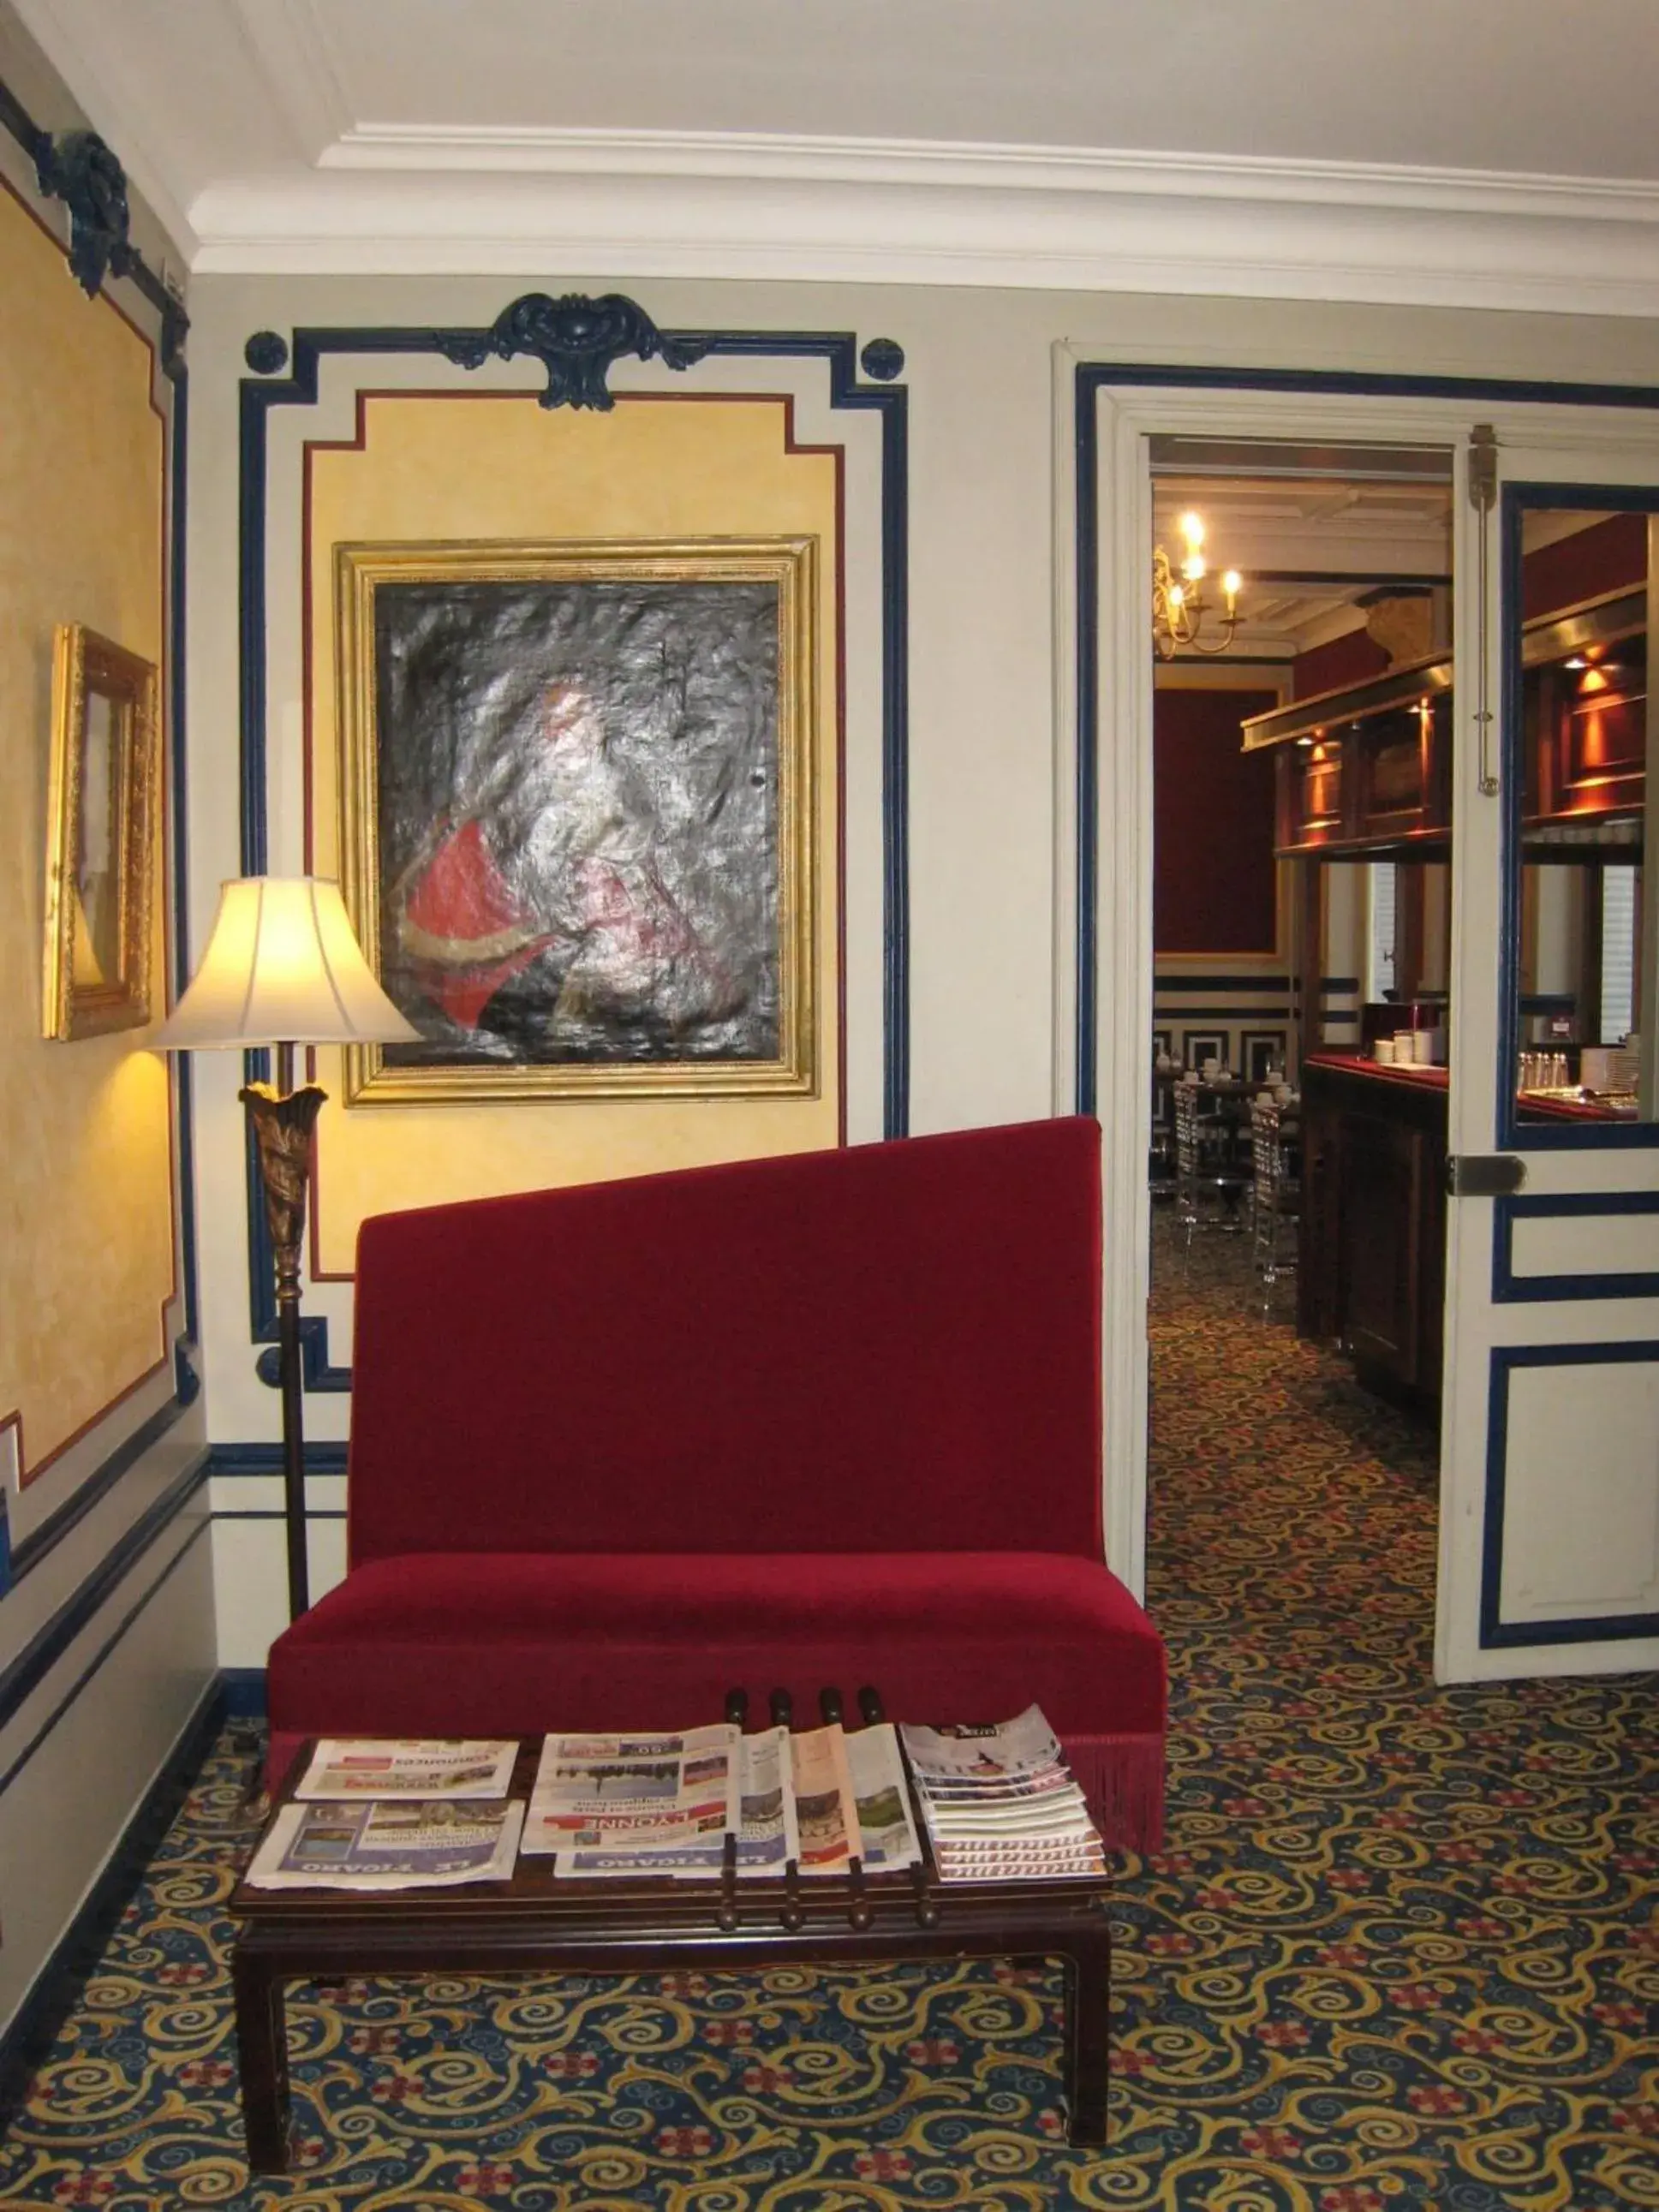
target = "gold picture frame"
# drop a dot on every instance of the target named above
(578, 815)
(101, 836)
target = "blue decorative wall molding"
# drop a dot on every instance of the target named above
(35, 2028)
(1496, 1633)
(1510, 1289)
(576, 339)
(79, 169)
(24, 1673)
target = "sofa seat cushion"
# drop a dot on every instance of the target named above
(462, 1642)
(486, 1644)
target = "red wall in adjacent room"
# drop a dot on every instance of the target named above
(1212, 879)
(1354, 659)
(1608, 556)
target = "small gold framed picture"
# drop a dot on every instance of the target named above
(101, 831)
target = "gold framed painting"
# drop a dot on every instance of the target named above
(578, 815)
(101, 836)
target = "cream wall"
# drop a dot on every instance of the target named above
(86, 1236)
(436, 471)
(108, 1643)
(990, 767)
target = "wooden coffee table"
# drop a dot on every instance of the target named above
(534, 1923)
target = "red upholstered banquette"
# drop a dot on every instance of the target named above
(834, 1418)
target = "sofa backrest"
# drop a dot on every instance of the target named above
(888, 1346)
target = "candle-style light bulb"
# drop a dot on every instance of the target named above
(1191, 529)
(1177, 597)
(1193, 569)
(1230, 584)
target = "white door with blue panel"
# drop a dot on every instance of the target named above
(1549, 1534)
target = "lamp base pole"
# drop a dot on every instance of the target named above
(282, 1126)
(294, 1447)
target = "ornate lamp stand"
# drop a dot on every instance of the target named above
(282, 967)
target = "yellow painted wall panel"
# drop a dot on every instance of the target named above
(460, 469)
(86, 1214)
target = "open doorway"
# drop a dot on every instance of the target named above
(1303, 896)
(1277, 920)
(1288, 933)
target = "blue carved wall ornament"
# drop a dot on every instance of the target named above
(266, 352)
(575, 338)
(77, 168)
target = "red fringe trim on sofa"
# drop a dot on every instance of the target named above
(1122, 1778)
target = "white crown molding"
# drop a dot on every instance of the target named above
(761, 157)
(1011, 218)
(290, 42)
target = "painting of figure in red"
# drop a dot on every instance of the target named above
(578, 795)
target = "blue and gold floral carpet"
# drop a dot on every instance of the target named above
(1401, 1951)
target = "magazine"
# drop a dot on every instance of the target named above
(1015, 1750)
(636, 1803)
(825, 1810)
(1000, 1803)
(410, 1766)
(399, 1843)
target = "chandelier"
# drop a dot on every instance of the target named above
(1179, 606)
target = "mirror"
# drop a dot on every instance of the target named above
(1582, 952)
(101, 852)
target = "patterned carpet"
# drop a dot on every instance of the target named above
(1402, 1952)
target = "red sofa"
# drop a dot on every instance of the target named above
(832, 1419)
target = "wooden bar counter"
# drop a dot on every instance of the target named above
(1373, 1235)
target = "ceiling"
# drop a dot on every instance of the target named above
(1311, 543)
(1307, 549)
(1498, 152)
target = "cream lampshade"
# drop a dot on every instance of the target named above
(283, 967)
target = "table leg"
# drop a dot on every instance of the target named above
(262, 2043)
(1088, 2033)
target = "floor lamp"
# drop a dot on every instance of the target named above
(282, 967)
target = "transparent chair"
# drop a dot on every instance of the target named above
(1275, 1193)
(1210, 1177)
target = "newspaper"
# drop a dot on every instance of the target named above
(690, 1852)
(638, 1804)
(398, 1844)
(825, 1810)
(770, 1837)
(887, 1836)
(410, 1766)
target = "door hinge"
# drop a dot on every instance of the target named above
(1483, 467)
(1484, 1175)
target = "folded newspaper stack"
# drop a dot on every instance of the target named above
(404, 1815)
(1001, 1803)
(851, 1800)
(642, 1805)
